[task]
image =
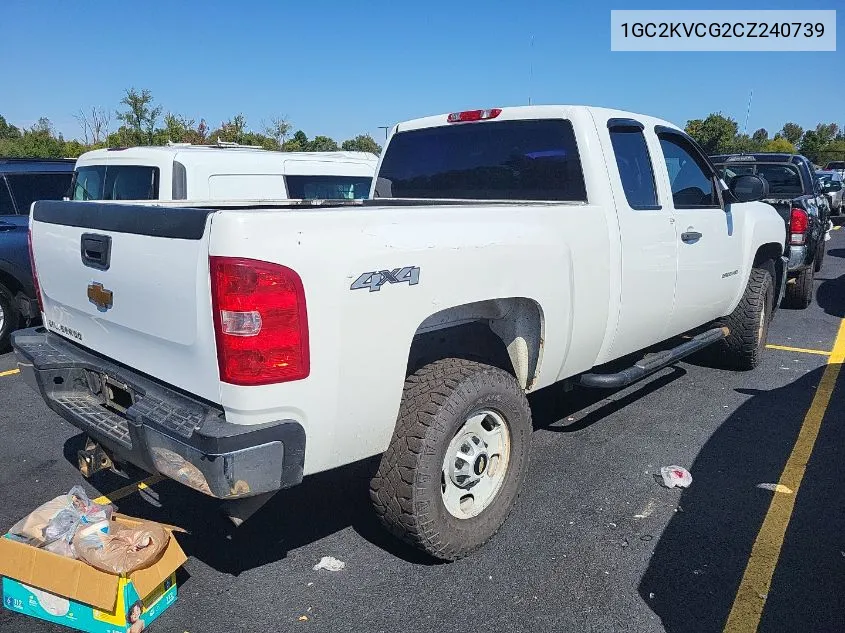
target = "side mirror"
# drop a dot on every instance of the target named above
(749, 188)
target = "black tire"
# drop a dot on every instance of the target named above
(406, 491)
(9, 317)
(799, 293)
(743, 348)
(817, 265)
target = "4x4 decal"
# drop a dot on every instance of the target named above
(374, 280)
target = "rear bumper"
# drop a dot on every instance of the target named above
(163, 431)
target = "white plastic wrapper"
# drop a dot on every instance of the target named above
(675, 476)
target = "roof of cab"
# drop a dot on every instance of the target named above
(538, 112)
(20, 165)
(224, 152)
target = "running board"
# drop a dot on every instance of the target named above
(653, 362)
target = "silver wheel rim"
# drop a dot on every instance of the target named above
(2, 317)
(475, 464)
(762, 325)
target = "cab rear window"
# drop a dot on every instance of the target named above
(501, 160)
(115, 182)
(328, 187)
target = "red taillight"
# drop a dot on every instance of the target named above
(260, 322)
(798, 227)
(473, 115)
(34, 273)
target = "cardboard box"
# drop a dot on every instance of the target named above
(69, 592)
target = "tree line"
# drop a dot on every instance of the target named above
(719, 134)
(139, 121)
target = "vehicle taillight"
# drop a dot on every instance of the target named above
(34, 273)
(798, 224)
(260, 322)
(473, 115)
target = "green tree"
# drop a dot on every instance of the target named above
(278, 129)
(322, 144)
(779, 144)
(743, 144)
(812, 144)
(139, 117)
(716, 134)
(792, 132)
(761, 136)
(8, 131)
(362, 143)
(298, 143)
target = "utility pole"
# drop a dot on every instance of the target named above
(385, 128)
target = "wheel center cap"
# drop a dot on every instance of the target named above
(480, 464)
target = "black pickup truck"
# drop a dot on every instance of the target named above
(795, 192)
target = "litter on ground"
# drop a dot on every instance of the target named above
(329, 563)
(675, 476)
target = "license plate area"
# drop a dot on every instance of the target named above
(116, 395)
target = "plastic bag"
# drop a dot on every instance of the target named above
(52, 525)
(123, 549)
(675, 476)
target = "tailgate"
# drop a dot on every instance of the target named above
(783, 206)
(131, 283)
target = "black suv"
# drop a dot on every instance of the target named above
(22, 181)
(796, 194)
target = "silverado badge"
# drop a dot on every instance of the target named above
(100, 297)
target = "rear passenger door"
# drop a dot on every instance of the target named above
(709, 247)
(647, 234)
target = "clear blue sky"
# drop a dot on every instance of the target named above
(340, 68)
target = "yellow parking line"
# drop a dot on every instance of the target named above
(750, 598)
(11, 372)
(803, 350)
(128, 490)
(837, 227)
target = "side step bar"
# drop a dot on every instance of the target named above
(653, 362)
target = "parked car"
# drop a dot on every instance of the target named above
(832, 186)
(220, 172)
(796, 193)
(836, 165)
(238, 350)
(23, 181)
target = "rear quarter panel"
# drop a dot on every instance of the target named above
(360, 339)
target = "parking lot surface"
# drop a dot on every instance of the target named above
(594, 543)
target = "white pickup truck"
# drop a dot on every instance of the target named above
(239, 347)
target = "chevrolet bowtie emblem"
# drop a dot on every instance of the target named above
(100, 297)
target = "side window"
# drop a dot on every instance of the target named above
(692, 186)
(634, 164)
(6, 206)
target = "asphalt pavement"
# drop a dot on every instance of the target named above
(594, 544)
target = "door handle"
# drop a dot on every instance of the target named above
(5, 226)
(690, 236)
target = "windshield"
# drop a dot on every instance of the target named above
(824, 178)
(783, 179)
(502, 160)
(328, 187)
(115, 182)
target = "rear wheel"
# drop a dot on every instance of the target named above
(457, 459)
(749, 323)
(799, 292)
(9, 317)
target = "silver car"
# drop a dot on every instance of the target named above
(832, 185)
